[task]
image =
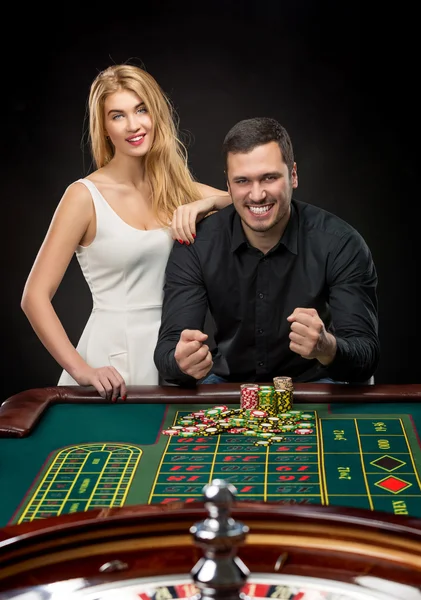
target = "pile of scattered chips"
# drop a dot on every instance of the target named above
(249, 422)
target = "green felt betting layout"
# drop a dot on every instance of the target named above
(360, 460)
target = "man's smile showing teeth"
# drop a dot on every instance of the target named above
(260, 210)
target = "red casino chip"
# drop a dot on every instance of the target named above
(170, 431)
(237, 429)
(258, 414)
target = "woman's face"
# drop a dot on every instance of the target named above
(128, 123)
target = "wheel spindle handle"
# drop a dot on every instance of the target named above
(219, 574)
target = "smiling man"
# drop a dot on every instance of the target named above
(291, 287)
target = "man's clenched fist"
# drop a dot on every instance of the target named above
(309, 337)
(192, 354)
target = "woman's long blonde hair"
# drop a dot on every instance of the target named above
(166, 166)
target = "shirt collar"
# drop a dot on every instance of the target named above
(289, 238)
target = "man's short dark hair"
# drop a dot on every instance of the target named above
(250, 133)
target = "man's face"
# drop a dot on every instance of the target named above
(261, 187)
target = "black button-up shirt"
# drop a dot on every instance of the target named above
(320, 262)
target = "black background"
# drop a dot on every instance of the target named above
(341, 77)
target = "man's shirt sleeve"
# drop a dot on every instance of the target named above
(352, 282)
(184, 307)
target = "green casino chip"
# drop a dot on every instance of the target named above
(213, 412)
(187, 421)
(237, 422)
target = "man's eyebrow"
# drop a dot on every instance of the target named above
(272, 174)
(269, 174)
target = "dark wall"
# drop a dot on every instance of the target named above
(342, 82)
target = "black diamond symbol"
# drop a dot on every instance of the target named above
(388, 463)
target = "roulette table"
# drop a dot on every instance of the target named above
(255, 550)
(94, 495)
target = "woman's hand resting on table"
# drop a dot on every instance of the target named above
(106, 380)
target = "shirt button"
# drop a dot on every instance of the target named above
(260, 331)
(261, 364)
(260, 295)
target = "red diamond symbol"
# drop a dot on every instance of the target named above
(393, 484)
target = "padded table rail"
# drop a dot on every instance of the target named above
(20, 413)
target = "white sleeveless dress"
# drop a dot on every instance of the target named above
(124, 268)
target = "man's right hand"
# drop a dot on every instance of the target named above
(192, 355)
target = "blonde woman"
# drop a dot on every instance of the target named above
(121, 221)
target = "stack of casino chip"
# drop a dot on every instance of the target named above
(249, 395)
(264, 428)
(284, 398)
(283, 383)
(268, 400)
(284, 390)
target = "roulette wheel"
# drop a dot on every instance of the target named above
(215, 550)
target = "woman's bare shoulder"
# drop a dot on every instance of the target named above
(78, 195)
